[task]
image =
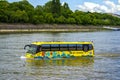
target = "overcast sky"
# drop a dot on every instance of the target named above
(106, 6)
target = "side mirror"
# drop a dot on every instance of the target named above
(27, 47)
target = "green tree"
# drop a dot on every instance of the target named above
(51, 12)
(65, 10)
(39, 10)
(3, 16)
(19, 17)
(61, 20)
(55, 8)
(4, 4)
(47, 7)
(77, 15)
(71, 21)
(21, 5)
(49, 18)
(38, 19)
(3, 11)
(28, 8)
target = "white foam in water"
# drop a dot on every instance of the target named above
(23, 57)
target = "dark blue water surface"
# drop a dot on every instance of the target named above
(104, 66)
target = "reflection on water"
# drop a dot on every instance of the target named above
(61, 69)
(81, 61)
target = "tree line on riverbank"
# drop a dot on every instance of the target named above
(52, 12)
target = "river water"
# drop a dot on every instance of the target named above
(104, 66)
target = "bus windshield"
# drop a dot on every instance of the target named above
(31, 48)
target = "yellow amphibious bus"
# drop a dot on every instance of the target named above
(48, 50)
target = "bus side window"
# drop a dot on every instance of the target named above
(72, 47)
(55, 47)
(63, 47)
(79, 47)
(45, 47)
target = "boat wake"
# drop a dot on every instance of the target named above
(23, 57)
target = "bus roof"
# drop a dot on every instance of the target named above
(61, 42)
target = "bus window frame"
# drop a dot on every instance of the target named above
(80, 48)
(73, 48)
(53, 48)
(64, 48)
(43, 49)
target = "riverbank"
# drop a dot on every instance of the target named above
(27, 28)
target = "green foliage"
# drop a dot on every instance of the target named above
(55, 7)
(19, 17)
(52, 12)
(65, 11)
(61, 20)
(48, 7)
(71, 21)
(49, 18)
(38, 19)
